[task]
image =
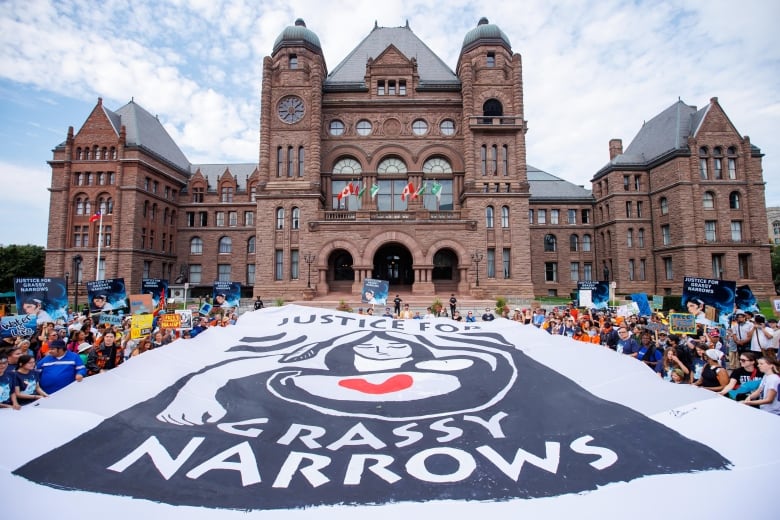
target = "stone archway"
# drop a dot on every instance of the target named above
(393, 262)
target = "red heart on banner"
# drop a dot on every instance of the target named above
(393, 384)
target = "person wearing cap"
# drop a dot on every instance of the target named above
(7, 395)
(60, 367)
(713, 377)
(742, 331)
(763, 335)
(609, 336)
(488, 315)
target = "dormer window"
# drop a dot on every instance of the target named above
(380, 87)
(402, 87)
(293, 61)
(491, 59)
(391, 88)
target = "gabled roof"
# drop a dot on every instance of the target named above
(212, 173)
(666, 132)
(432, 70)
(146, 131)
(544, 186)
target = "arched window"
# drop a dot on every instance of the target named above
(146, 208)
(586, 243)
(196, 246)
(734, 200)
(550, 243)
(708, 201)
(664, 205)
(79, 206)
(574, 243)
(489, 217)
(703, 153)
(732, 162)
(717, 162)
(437, 165)
(296, 218)
(347, 166)
(490, 109)
(391, 165)
(279, 218)
(87, 207)
(225, 245)
(504, 217)
(630, 237)
(250, 244)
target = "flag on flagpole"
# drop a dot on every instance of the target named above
(362, 190)
(421, 189)
(353, 189)
(408, 191)
(345, 192)
(95, 217)
(436, 190)
(374, 190)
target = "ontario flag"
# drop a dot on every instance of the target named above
(95, 217)
(409, 192)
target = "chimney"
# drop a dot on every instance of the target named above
(615, 148)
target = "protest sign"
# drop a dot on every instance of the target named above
(374, 291)
(46, 298)
(107, 295)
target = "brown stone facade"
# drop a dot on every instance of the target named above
(701, 213)
(279, 226)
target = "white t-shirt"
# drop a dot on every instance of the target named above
(770, 382)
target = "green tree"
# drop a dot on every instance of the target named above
(20, 261)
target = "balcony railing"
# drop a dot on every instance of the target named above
(498, 122)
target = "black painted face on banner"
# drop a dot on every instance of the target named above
(367, 417)
(408, 375)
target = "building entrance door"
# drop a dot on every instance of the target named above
(393, 262)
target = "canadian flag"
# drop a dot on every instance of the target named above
(345, 192)
(408, 192)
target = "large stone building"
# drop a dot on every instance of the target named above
(393, 166)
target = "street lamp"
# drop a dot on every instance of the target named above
(476, 256)
(67, 288)
(309, 258)
(77, 274)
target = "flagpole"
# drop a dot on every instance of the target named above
(100, 242)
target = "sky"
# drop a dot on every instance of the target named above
(592, 70)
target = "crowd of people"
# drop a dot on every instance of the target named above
(737, 362)
(67, 351)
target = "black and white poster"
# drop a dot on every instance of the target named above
(296, 408)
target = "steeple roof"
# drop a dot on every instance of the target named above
(432, 70)
(146, 131)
